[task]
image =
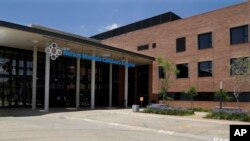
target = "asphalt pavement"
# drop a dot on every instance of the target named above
(108, 125)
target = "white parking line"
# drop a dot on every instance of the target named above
(114, 124)
(138, 128)
(166, 132)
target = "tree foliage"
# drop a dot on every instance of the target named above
(223, 96)
(168, 69)
(240, 69)
(192, 92)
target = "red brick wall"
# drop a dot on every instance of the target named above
(218, 22)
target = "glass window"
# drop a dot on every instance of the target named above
(6, 66)
(2, 62)
(205, 40)
(154, 45)
(205, 69)
(142, 47)
(161, 72)
(239, 66)
(29, 67)
(181, 44)
(21, 67)
(183, 70)
(239, 35)
(14, 67)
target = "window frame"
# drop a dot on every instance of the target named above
(199, 40)
(143, 47)
(177, 75)
(245, 34)
(179, 43)
(231, 61)
(161, 73)
(153, 45)
(210, 69)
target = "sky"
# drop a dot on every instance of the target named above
(90, 17)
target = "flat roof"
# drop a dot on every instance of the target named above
(70, 37)
(142, 24)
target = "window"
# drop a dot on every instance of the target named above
(181, 44)
(183, 70)
(205, 40)
(142, 47)
(154, 45)
(161, 72)
(205, 69)
(239, 66)
(239, 35)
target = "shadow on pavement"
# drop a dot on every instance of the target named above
(24, 112)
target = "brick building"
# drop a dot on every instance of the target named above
(44, 67)
(201, 46)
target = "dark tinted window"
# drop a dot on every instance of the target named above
(205, 69)
(142, 47)
(239, 35)
(180, 44)
(161, 72)
(205, 40)
(183, 70)
(154, 45)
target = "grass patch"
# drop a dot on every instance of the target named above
(229, 116)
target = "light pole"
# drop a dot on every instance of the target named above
(141, 99)
(221, 87)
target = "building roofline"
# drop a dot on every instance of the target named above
(181, 19)
(138, 25)
(70, 37)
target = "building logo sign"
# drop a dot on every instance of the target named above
(97, 58)
(54, 51)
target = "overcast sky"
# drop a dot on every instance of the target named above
(90, 17)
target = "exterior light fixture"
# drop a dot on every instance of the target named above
(34, 41)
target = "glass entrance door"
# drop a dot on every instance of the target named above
(63, 82)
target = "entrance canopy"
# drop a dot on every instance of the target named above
(26, 37)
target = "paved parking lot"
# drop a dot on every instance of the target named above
(107, 125)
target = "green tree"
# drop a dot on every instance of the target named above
(168, 69)
(240, 69)
(223, 96)
(192, 92)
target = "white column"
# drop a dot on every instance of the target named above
(34, 75)
(93, 84)
(110, 85)
(47, 76)
(77, 82)
(126, 88)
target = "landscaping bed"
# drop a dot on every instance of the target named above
(167, 110)
(229, 114)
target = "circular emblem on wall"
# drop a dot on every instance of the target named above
(53, 50)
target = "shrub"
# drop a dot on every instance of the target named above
(229, 114)
(201, 110)
(167, 110)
